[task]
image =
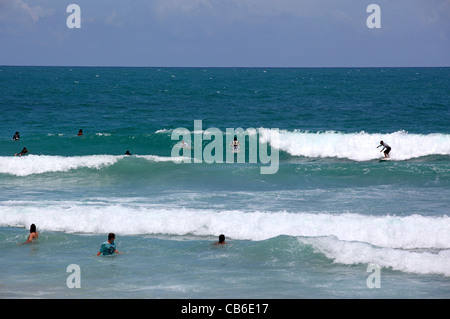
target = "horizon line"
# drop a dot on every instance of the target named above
(222, 67)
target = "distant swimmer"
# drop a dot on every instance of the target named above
(235, 145)
(109, 246)
(128, 153)
(184, 144)
(386, 148)
(80, 132)
(23, 152)
(16, 137)
(33, 234)
(221, 240)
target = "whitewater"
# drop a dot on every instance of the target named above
(359, 146)
(414, 243)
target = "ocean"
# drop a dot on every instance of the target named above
(329, 221)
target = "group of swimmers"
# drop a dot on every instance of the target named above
(235, 144)
(16, 137)
(24, 151)
(108, 247)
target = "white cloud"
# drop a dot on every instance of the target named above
(35, 12)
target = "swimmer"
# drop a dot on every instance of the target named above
(386, 147)
(23, 152)
(221, 240)
(184, 144)
(33, 234)
(235, 144)
(109, 246)
(16, 137)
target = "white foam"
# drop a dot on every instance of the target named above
(360, 146)
(419, 244)
(351, 253)
(163, 131)
(408, 232)
(156, 158)
(38, 164)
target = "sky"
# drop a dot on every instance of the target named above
(226, 33)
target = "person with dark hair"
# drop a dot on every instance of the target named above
(80, 132)
(16, 137)
(221, 240)
(33, 234)
(235, 144)
(386, 148)
(23, 152)
(109, 246)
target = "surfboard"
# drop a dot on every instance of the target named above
(384, 159)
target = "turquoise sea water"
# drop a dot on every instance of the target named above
(310, 230)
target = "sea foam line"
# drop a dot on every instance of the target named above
(353, 253)
(39, 164)
(403, 232)
(418, 244)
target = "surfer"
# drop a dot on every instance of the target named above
(109, 246)
(33, 234)
(80, 132)
(221, 240)
(23, 152)
(16, 137)
(235, 145)
(128, 153)
(386, 148)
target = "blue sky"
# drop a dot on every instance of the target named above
(223, 33)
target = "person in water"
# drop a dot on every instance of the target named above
(386, 148)
(184, 144)
(80, 132)
(109, 246)
(23, 152)
(33, 234)
(16, 137)
(221, 240)
(235, 144)
(128, 153)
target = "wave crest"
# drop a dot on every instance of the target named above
(40, 164)
(360, 146)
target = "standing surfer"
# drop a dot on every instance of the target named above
(386, 148)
